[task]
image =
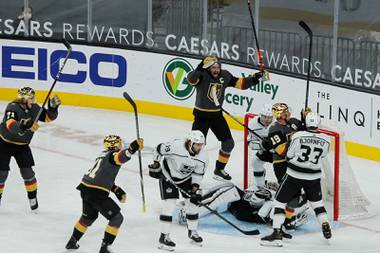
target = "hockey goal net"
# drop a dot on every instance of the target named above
(342, 194)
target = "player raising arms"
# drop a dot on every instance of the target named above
(180, 164)
(304, 170)
(95, 187)
(260, 125)
(16, 132)
(210, 82)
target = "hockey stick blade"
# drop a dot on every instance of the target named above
(305, 27)
(130, 100)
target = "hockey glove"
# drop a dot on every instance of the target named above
(54, 103)
(28, 124)
(136, 145)
(304, 113)
(120, 194)
(263, 75)
(155, 170)
(196, 195)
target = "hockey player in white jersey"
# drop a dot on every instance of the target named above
(180, 164)
(306, 150)
(259, 156)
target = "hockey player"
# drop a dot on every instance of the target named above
(95, 187)
(306, 150)
(16, 132)
(277, 140)
(209, 81)
(260, 125)
(180, 164)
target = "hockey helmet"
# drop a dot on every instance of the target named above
(196, 136)
(112, 142)
(210, 60)
(266, 110)
(312, 120)
(26, 93)
(278, 109)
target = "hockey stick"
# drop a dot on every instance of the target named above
(310, 33)
(69, 49)
(216, 102)
(256, 40)
(249, 232)
(130, 100)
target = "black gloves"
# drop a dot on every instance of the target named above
(136, 145)
(155, 170)
(54, 102)
(196, 195)
(29, 123)
(120, 193)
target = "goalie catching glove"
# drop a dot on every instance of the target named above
(119, 193)
(155, 170)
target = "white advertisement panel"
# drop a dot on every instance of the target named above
(160, 78)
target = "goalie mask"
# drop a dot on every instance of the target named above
(25, 93)
(195, 141)
(257, 198)
(112, 142)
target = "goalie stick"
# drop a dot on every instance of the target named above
(133, 104)
(246, 232)
(69, 49)
(310, 33)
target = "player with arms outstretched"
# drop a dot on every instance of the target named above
(306, 150)
(95, 187)
(210, 82)
(16, 132)
(180, 164)
(259, 156)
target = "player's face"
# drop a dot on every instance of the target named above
(197, 147)
(30, 101)
(215, 70)
(266, 120)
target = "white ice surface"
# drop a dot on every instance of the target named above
(66, 148)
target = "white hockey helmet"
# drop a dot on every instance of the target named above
(266, 110)
(312, 120)
(196, 136)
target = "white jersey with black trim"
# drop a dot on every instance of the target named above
(254, 141)
(305, 154)
(179, 164)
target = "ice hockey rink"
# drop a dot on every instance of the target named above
(65, 149)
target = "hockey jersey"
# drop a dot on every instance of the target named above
(178, 164)
(306, 150)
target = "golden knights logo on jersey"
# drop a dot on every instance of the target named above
(218, 90)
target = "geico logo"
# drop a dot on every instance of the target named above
(21, 63)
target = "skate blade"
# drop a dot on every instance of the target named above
(199, 244)
(165, 247)
(35, 211)
(275, 243)
(221, 179)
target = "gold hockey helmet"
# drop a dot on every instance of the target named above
(278, 109)
(112, 142)
(210, 60)
(26, 93)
